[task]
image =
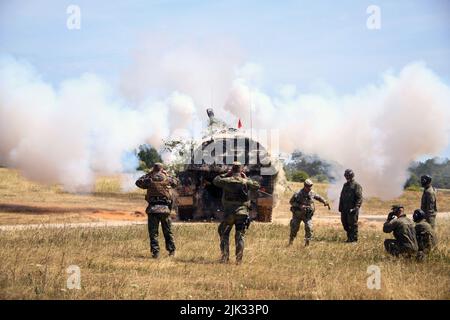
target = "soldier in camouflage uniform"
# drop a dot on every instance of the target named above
(428, 202)
(236, 205)
(159, 198)
(426, 238)
(405, 242)
(302, 207)
(349, 203)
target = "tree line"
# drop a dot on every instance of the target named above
(437, 168)
(302, 166)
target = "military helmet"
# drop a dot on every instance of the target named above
(236, 167)
(308, 183)
(349, 174)
(418, 215)
(396, 207)
(425, 180)
(158, 166)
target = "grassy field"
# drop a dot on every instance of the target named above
(115, 262)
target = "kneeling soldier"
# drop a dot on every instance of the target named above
(302, 207)
(405, 242)
(158, 184)
(425, 235)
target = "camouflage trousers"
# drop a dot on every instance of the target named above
(297, 218)
(431, 219)
(237, 220)
(350, 223)
(154, 219)
(394, 248)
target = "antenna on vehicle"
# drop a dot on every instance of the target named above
(251, 115)
(211, 102)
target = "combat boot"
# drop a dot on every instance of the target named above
(291, 241)
(224, 259)
(155, 255)
(306, 242)
(171, 253)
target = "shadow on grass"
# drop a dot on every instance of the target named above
(197, 260)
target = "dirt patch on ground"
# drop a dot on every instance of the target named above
(118, 215)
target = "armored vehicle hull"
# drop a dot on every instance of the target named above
(199, 200)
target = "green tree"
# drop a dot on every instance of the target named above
(148, 156)
(438, 169)
(320, 178)
(311, 164)
(299, 176)
(413, 182)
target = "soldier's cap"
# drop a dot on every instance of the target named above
(308, 183)
(396, 207)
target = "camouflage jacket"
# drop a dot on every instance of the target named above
(302, 199)
(425, 235)
(351, 196)
(404, 232)
(158, 185)
(428, 202)
(235, 193)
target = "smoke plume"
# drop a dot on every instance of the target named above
(83, 126)
(377, 131)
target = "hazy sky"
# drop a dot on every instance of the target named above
(297, 42)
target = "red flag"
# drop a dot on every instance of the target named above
(239, 124)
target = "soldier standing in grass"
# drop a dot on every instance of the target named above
(405, 242)
(428, 202)
(236, 204)
(302, 207)
(158, 184)
(349, 203)
(425, 235)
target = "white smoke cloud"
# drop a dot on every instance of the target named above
(378, 131)
(202, 68)
(67, 134)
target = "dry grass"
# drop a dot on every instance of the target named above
(371, 206)
(22, 201)
(115, 264)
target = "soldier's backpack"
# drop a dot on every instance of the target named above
(158, 186)
(236, 191)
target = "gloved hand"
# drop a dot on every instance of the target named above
(230, 173)
(327, 205)
(391, 216)
(354, 210)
